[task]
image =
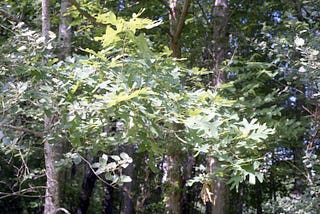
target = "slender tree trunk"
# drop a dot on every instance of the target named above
(174, 180)
(258, 198)
(177, 16)
(53, 150)
(51, 205)
(144, 189)
(52, 186)
(64, 30)
(45, 18)
(128, 187)
(218, 52)
(299, 182)
(220, 191)
(187, 193)
(108, 200)
(220, 39)
(89, 180)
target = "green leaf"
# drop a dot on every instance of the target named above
(125, 179)
(111, 166)
(252, 178)
(115, 157)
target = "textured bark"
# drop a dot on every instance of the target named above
(45, 4)
(220, 191)
(51, 204)
(220, 39)
(174, 181)
(52, 154)
(177, 16)
(64, 30)
(52, 192)
(128, 187)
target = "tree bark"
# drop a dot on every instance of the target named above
(174, 180)
(177, 16)
(219, 190)
(52, 186)
(219, 39)
(128, 187)
(52, 154)
(144, 188)
(51, 204)
(64, 30)
(45, 4)
(218, 52)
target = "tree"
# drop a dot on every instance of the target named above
(51, 152)
(232, 104)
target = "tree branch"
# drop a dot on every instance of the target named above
(21, 129)
(9, 16)
(12, 18)
(182, 18)
(85, 13)
(203, 12)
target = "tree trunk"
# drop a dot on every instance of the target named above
(174, 181)
(128, 187)
(258, 198)
(219, 190)
(108, 200)
(187, 206)
(299, 181)
(177, 16)
(144, 189)
(64, 30)
(89, 180)
(52, 186)
(45, 4)
(220, 41)
(53, 150)
(51, 204)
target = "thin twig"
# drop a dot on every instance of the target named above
(94, 172)
(22, 192)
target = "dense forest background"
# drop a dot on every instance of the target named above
(159, 106)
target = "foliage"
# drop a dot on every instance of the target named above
(122, 88)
